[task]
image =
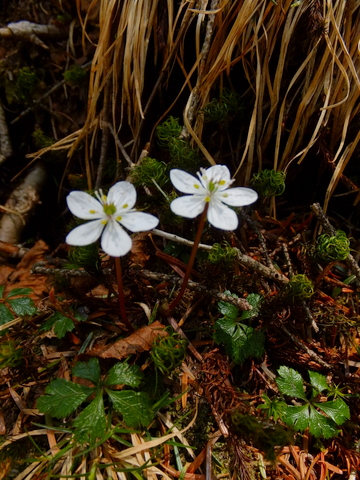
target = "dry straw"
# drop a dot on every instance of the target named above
(297, 63)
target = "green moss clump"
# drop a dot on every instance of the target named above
(168, 130)
(300, 287)
(221, 109)
(86, 257)
(330, 248)
(75, 75)
(148, 171)
(10, 354)
(169, 352)
(41, 140)
(222, 254)
(269, 183)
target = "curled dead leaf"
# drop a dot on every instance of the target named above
(139, 341)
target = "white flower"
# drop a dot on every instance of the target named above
(107, 214)
(212, 187)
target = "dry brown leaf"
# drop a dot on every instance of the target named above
(22, 277)
(139, 341)
(139, 246)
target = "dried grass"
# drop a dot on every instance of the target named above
(298, 87)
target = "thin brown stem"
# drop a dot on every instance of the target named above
(121, 296)
(200, 229)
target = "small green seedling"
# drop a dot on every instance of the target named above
(241, 341)
(63, 397)
(322, 418)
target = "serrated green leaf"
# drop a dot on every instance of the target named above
(89, 370)
(22, 306)
(240, 340)
(123, 373)
(2, 291)
(290, 382)
(272, 407)
(321, 426)
(228, 310)
(91, 423)
(318, 381)
(135, 407)
(62, 324)
(19, 291)
(62, 398)
(254, 299)
(297, 416)
(5, 314)
(337, 410)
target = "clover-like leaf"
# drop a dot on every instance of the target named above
(318, 381)
(91, 423)
(19, 291)
(228, 310)
(337, 410)
(124, 374)
(290, 382)
(89, 370)
(22, 306)
(62, 398)
(135, 407)
(5, 314)
(62, 324)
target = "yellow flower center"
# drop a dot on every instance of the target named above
(109, 209)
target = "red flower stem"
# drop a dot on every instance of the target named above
(121, 296)
(200, 229)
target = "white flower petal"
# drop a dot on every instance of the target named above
(139, 221)
(216, 173)
(84, 206)
(238, 196)
(189, 206)
(115, 241)
(122, 195)
(85, 234)
(221, 216)
(185, 182)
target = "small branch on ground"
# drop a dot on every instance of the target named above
(30, 31)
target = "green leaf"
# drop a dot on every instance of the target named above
(22, 306)
(89, 370)
(19, 291)
(290, 382)
(2, 291)
(62, 324)
(240, 340)
(297, 416)
(318, 381)
(5, 314)
(135, 407)
(274, 408)
(62, 398)
(228, 310)
(123, 373)
(254, 299)
(91, 423)
(337, 410)
(321, 426)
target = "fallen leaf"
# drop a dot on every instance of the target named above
(21, 277)
(139, 341)
(139, 246)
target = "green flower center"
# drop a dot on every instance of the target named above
(109, 209)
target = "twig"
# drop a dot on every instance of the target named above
(162, 277)
(301, 345)
(330, 230)
(240, 257)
